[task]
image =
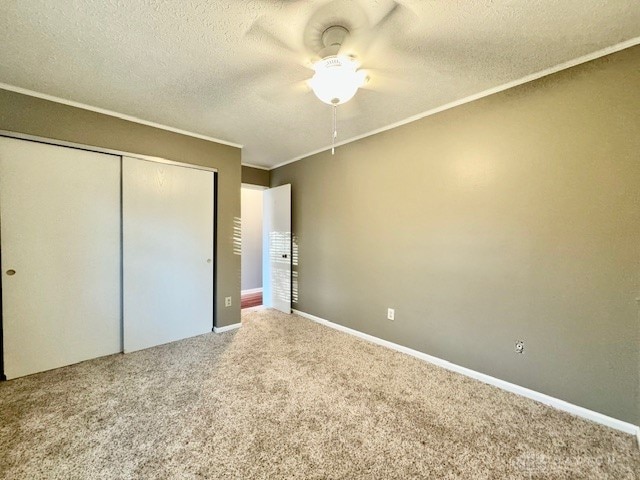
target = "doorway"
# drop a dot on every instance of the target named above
(251, 204)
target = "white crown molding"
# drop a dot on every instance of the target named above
(256, 166)
(529, 78)
(111, 113)
(496, 382)
(227, 328)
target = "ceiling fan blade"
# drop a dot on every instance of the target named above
(265, 38)
(398, 14)
(387, 17)
(398, 17)
(388, 82)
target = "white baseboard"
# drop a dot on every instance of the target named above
(510, 387)
(226, 328)
(251, 290)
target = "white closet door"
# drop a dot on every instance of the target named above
(167, 252)
(276, 265)
(60, 221)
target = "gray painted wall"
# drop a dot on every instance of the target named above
(34, 116)
(255, 176)
(513, 217)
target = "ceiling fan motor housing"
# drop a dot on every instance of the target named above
(334, 37)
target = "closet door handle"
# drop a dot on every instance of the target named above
(11, 272)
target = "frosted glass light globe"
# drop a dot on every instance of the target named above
(336, 80)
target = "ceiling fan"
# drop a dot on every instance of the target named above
(337, 76)
(336, 42)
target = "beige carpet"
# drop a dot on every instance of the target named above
(286, 398)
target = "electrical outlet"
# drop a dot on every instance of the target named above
(391, 314)
(519, 346)
(227, 301)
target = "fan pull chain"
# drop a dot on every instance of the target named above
(335, 130)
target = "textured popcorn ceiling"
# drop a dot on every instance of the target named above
(189, 64)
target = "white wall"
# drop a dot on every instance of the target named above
(251, 208)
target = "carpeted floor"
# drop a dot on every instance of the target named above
(284, 398)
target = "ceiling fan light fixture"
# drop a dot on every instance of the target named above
(337, 79)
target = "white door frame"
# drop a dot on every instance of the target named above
(92, 148)
(260, 188)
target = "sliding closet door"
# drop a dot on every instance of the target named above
(167, 252)
(60, 240)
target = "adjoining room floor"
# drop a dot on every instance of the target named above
(249, 300)
(285, 398)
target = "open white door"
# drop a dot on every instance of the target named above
(276, 250)
(167, 220)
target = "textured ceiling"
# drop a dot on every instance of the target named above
(215, 68)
